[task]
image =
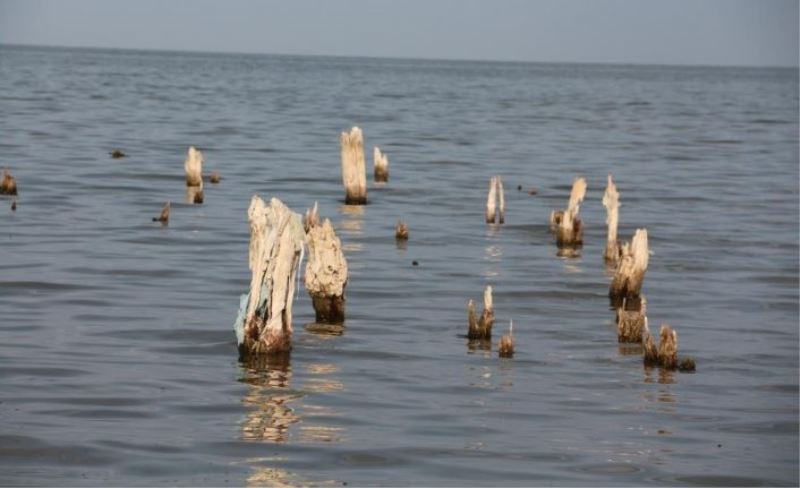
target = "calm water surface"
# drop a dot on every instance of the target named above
(118, 363)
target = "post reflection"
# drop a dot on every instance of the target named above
(269, 398)
(352, 224)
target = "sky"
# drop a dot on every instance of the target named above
(693, 32)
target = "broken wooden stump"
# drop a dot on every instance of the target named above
(567, 223)
(381, 163)
(611, 255)
(401, 231)
(630, 271)
(630, 323)
(354, 174)
(311, 218)
(264, 322)
(495, 202)
(506, 348)
(117, 154)
(481, 328)
(326, 273)
(194, 194)
(9, 185)
(193, 166)
(215, 177)
(164, 217)
(665, 354)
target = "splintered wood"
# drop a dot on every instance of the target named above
(629, 275)
(495, 202)
(567, 223)
(381, 163)
(326, 273)
(264, 325)
(611, 203)
(481, 328)
(354, 174)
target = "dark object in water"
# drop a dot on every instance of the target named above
(686, 365)
(14, 205)
(401, 231)
(481, 328)
(164, 217)
(9, 185)
(519, 187)
(414, 263)
(116, 154)
(506, 349)
(215, 177)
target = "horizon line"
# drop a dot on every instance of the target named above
(399, 58)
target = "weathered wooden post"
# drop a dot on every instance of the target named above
(611, 203)
(491, 201)
(629, 275)
(481, 328)
(381, 163)
(501, 198)
(264, 322)
(326, 273)
(193, 166)
(354, 174)
(9, 185)
(506, 348)
(630, 323)
(401, 231)
(567, 223)
(311, 217)
(164, 217)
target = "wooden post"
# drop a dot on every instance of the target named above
(326, 273)
(611, 203)
(311, 218)
(567, 223)
(630, 323)
(481, 328)
(491, 201)
(506, 349)
(501, 200)
(354, 174)
(264, 323)
(665, 355)
(164, 217)
(401, 231)
(381, 163)
(193, 166)
(9, 185)
(629, 275)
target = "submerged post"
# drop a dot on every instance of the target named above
(264, 322)
(381, 163)
(611, 203)
(629, 275)
(354, 174)
(326, 273)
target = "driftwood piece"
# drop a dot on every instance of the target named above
(495, 202)
(630, 323)
(164, 217)
(381, 163)
(611, 203)
(9, 185)
(630, 271)
(326, 273)
(481, 328)
(567, 223)
(193, 166)
(354, 174)
(264, 322)
(506, 348)
(401, 231)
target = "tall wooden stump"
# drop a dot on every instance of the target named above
(567, 223)
(354, 173)
(611, 203)
(326, 273)
(481, 328)
(381, 163)
(495, 202)
(264, 323)
(193, 166)
(629, 275)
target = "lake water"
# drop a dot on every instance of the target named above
(118, 363)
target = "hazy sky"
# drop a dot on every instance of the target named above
(727, 32)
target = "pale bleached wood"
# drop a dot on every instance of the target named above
(491, 201)
(611, 202)
(326, 273)
(381, 164)
(567, 223)
(501, 199)
(193, 166)
(630, 271)
(354, 176)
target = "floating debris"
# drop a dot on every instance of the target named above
(354, 174)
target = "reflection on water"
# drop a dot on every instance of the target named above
(568, 252)
(352, 223)
(483, 346)
(630, 349)
(194, 194)
(663, 396)
(270, 398)
(325, 331)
